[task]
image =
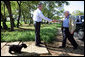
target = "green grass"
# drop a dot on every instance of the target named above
(8, 23)
(47, 33)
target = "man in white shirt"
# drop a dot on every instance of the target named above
(37, 17)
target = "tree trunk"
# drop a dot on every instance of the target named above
(4, 21)
(7, 3)
(23, 17)
(19, 4)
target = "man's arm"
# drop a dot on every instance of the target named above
(61, 21)
(43, 17)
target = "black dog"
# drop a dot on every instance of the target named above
(16, 48)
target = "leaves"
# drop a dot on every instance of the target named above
(50, 9)
(77, 12)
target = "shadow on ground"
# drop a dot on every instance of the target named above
(26, 54)
(24, 29)
(80, 50)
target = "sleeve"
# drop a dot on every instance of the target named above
(43, 17)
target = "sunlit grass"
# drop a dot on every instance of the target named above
(48, 33)
(8, 23)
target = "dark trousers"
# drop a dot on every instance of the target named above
(66, 34)
(37, 33)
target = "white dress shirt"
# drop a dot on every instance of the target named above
(38, 16)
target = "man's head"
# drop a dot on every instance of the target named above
(40, 6)
(66, 13)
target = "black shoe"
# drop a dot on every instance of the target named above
(61, 47)
(75, 48)
(39, 45)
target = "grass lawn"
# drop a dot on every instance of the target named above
(8, 23)
(27, 33)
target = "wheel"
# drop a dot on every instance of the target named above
(80, 34)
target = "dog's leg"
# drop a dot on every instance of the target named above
(10, 52)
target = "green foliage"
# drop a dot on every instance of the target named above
(49, 8)
(4, 9)
(77, 12)
(27, 8)
(48, 33)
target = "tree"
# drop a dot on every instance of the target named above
(22, 11)
(77, 12)
(49, 11)
(19, 4)
(7, 3)
(4, 21)
(27, 7)
(4, 18)
(49, 8)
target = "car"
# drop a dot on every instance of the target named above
(79, 32)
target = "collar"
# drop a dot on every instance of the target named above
(67, 17)
(38, 9)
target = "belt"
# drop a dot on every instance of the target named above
(37, 22)
(66, 27)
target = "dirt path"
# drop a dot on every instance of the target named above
(68, 51)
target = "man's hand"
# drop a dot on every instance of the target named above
(53, 20)
(72, 33)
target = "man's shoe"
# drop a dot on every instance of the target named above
(39, 45)
(75, 48)
(61, 47)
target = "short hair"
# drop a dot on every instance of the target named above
(67, 12)
(39, 4)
